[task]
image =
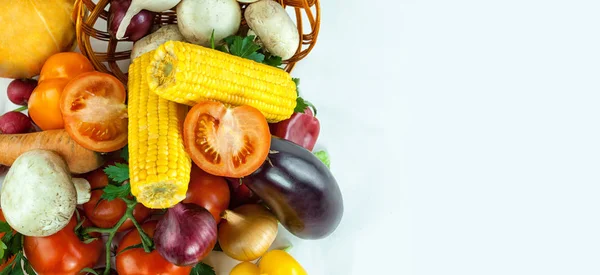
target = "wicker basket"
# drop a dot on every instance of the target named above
(114, 56)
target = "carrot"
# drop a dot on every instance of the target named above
(80, 160)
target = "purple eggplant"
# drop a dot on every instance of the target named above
(299, 189)
(140, 25)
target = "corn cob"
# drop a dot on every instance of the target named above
(188, 74)
(159, 166)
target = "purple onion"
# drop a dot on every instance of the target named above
(15, 123)
(140, 24)
(19, 90)
(185, 234)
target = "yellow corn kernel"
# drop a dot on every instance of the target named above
(159, 167)
(188, 74)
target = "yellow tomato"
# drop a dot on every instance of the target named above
(245, 268)
(279, 262)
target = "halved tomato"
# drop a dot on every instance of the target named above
(94, 111)
(229, 142)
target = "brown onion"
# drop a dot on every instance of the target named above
(247, 232)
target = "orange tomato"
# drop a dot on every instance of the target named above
(58, 70)
(65, 65)
(94, 111)
(44, 104)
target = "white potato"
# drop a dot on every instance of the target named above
(155, 39)
(38, 197)
(275, 28)
(198, 18)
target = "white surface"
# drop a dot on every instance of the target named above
(464, 135)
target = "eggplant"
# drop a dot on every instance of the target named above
(299, 189)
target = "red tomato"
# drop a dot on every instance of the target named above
(229, 142)
(93, 108)
(137, 262)
(302, 129)
(240, 194)
(208, 191)
(106, 214)
(62, 253)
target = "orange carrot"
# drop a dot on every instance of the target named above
(79, 159)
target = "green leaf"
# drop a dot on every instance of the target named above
(16, 269)
(28, 267)
(203, 269)
(118, 172)
(5, 227)
(258, 57)
(125, 153)
(112, 192)
(301, 105)
(273, 60)
(324, 157)
(3, 248)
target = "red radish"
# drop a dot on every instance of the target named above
(301, 128)
(19, 90)
(185, 234)
(15, 123)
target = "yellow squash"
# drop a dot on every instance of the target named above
(32, 31)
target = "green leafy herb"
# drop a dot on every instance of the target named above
(15, 267)
(118, 172)
(202, 269)
(301, 105)
(4, 227)
(273, 60)
(244, 47)
(112, 192)
(3, 249)
(28, 267)
(125, 153)
(324, 157)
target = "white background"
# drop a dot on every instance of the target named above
(464, 135)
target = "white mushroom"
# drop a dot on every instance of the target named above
(274, 27)
(198, 18)
(38, 194)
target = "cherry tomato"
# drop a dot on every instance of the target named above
(65, 65)
(104, 213)
(93, 108)
(137, 262)
(208, 191)
(44, 104)
(229, 142)
(62, 252)
(301, 128)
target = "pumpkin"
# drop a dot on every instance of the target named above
(32, 31)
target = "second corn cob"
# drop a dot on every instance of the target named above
(159, 166)
(189, 74)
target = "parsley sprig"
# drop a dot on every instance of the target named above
(11, 246)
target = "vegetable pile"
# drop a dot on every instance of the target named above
(206, 149)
